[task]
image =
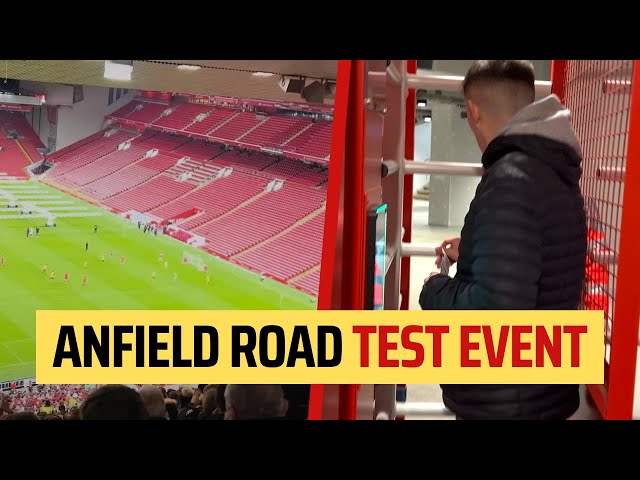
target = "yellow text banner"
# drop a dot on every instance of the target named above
(319, 347)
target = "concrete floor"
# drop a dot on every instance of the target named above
(420, 269)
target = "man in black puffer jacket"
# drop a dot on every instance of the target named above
(524, 241)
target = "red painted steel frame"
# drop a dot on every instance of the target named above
(353, 272)
(407, 201)
(558, 77)
(615, 400)
(624, 341)
(558, 80)
(342, 271)
(332, 240)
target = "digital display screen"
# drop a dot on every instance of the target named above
(376, 258)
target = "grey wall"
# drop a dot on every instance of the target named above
(452, 141)
(422, 152)
(459, 67)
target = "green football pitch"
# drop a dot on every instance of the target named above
(111, 284)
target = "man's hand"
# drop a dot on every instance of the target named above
(431, 275)
(450, 248)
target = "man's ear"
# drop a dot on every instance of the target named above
(473, 112)
(230, 414)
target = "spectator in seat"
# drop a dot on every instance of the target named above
(210, 410)
(154, 402)
(22, 416)
(47, 408)
(255, 402)
(74, 414)
(5, 406)
(171, 406)
(173, 395)
(189, 404)
(221, 401)
(113, 402)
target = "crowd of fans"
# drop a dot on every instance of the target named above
(47, 398)
(152, 402)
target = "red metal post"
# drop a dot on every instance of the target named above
(407, 200)
(558, 77)
(624, 341)
(331, 266)
(354, 217)
(342, 273)
(558, 83)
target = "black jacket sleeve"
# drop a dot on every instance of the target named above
(505, 251)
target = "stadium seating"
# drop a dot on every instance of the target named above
(293, 130)
(107, 165)
(215, 118)
(148, 113)
(12, 160)
(236, 127)
(81, 144)
(164, 142)
(119, 181)
(144, 136)
(19, 150)
(158, 191)
(127, 109)
(216, 192)
(198, 150)
(81, 157)
(213, 199)
(274, 129)
(315, 141)
(309, 283)
(253, 162)
(191, 166)
(294, 136)
(283, 208)
(183, 115)
(303, 245)
(28, 138)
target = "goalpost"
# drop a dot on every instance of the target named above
(190, 259)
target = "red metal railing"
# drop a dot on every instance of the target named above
(604, 99)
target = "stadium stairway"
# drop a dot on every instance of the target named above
(262, 122)
(282, 233)
(297, 134)
(24, 152)
(73, 192)
(139, 185)
(300, 276)
(233, 210)
(121, 169)
(223, 123)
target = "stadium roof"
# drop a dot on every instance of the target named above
(215, 77)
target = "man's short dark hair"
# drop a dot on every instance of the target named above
(499, 71)
(113, 402)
